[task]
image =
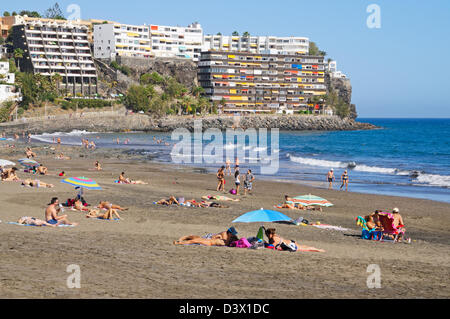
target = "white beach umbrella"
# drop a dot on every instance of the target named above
(6, 163)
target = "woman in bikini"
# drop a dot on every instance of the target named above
(34, 222)
(281, 243)
(221, 179)
(344, 179)
(109, 214)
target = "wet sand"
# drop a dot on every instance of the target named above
(135, 258)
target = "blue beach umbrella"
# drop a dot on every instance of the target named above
(262, 216)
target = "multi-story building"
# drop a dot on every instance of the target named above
(247, 81)
(257, 44)
(179, 42)
(115, 39)
(57, 47)
(332, 69)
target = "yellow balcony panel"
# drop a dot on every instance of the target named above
(231, 57)
(132, 34)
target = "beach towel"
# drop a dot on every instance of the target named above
(331, 227)
(241, 243)
(17, 224)
(109, 220)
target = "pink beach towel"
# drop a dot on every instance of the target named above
(241, 243)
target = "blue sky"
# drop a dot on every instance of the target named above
(399, 70)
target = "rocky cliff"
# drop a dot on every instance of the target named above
(140, 122)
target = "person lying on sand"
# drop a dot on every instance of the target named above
(290, 245)
(291, 204)
(97, 165)
(214, 204)
(220, 198)
(29, 153)
(124, 180)
(168, 202)
(221, 239)
(109, 214)
(35, 222)
(107, 205)
(9, 175)
(36, 183)
(62, 157)
(78, 205)
(42, 170)
(51, 214)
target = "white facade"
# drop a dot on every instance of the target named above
(334, 73)
(180, 42)
(115, 39)
(7, 92)
(257, 44)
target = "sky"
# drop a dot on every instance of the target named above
(399, 68)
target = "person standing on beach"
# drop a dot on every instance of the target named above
(221, 179)
(237, 181)
(248, 182)
(228, 167)
(344, 180)
(330, 178)
(236, 166)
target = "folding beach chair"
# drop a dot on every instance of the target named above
(370, 234)
(389, 230)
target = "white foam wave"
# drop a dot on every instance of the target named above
(374, 169)
(433, 180)
(317, 162)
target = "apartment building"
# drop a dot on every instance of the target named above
(249, 82)
(177, 42)
(334, 73)
(257, 44)
(58, 47)
(8, 92)
(115, 39)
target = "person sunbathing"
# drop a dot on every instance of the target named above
(9, 175)
(34, 222)
(78, 205)
(97, 165)
(221, 239)
(107, 205)
(373, 221)
(168, 202)
(290, 203)
(280, 243)
(399, 224)
(214, 204)
(30, 153)
(36, 183)
(109, 214)
(42, 170)
(124, 180)
(62, 157)
(221, 198)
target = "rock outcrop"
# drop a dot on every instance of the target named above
(144, 123)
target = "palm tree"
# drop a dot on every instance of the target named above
(235, 33)
(197, 91)
(18, 54)
(246, 34)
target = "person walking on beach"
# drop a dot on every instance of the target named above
(330, 178)
(236, 166)
(344, 180)
(237, 181)
(248, 182)
(221, 179)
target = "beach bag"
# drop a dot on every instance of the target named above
(241, 243)
(233, 192)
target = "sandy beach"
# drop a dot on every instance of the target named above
(136, 258)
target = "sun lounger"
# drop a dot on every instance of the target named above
(389, 230)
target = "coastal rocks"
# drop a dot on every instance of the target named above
(144, 123)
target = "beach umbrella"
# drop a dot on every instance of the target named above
(262, 216)
(311, 200)
(28, 162)
(6, 163)
(82, 183)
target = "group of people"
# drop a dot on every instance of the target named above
(172, 200)
(125, 180)
(230, 237)
(344, 179)
(88, 144)
(377, 222)
(249, 178)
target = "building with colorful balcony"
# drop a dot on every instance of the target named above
(253, 82)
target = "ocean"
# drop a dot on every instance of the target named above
(406, 157)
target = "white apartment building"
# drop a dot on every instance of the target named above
(57, 47)
(257, 44)
(180, 42)
(114, 39)
(334, 73)
(7, 91)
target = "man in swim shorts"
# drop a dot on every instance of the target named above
(51, 214)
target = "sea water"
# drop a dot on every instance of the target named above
(406, 157)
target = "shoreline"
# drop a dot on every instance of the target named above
(139, 252)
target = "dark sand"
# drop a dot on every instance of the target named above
(135, 258)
